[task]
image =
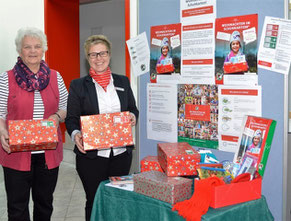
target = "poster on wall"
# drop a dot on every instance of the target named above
(236, 50)
(139, 53)
(275, 45)
(165, 53)
(162, 112)
(198, 115)
(198, 54)
(235, 102)
(193, 10)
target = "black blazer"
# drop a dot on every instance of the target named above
(82, 100)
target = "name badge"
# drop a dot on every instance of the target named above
(119, 88)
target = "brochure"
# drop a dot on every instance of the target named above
(117, 180)
(254, 144)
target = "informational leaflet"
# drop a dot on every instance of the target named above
(193, 10)
(198, 54)
(139, 52)
(128, 186)
(165, 53)
(275, 45)
(162, 112)
(234, 103)
(236, 50)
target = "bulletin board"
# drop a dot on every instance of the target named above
(161, 12)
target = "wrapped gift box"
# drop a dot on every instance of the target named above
(178, 159)
(30, 135)
(169, 68)
(104, 131)
(234, 68)
(157, 185)
(150, 163)
(234, 193)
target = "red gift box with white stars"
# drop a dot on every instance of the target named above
(32, 135)
(178, 159)
(104, 131)
(149, 163)
(158, 185)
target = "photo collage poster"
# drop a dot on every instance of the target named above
(198, 115)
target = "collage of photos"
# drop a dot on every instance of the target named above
(198, 114)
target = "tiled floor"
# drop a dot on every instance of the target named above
(69, 196)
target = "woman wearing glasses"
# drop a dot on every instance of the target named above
(97, 93)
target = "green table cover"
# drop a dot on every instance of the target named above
(111, 204)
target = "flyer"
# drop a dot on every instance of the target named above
(234, 103)
(198, 115)
(139, 53)
(236, 50)
(275, 45)
(193, 10)
(162, 112)
(165, 53)
(254, 144)
(198, 54)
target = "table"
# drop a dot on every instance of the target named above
(113, 204)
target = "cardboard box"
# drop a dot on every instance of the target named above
(150, 163)
(234, 193)
(104, 131)
(248, 158)
(32, 135)
(178, 159)
(157, 185)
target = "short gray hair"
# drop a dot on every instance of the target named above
(30, 32)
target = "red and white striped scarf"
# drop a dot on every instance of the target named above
(102, 79)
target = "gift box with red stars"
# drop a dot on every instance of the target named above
(104, 131)
(32, 135)
(149, 163)
(178, 159)
(158, 185)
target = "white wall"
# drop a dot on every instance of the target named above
(105, 18)
(15, 14)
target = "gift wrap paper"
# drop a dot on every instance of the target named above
(150, 163)
(159, 186)
(178, 159)
(30, 135)
(104, 131)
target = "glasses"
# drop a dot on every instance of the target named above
(94, 55)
